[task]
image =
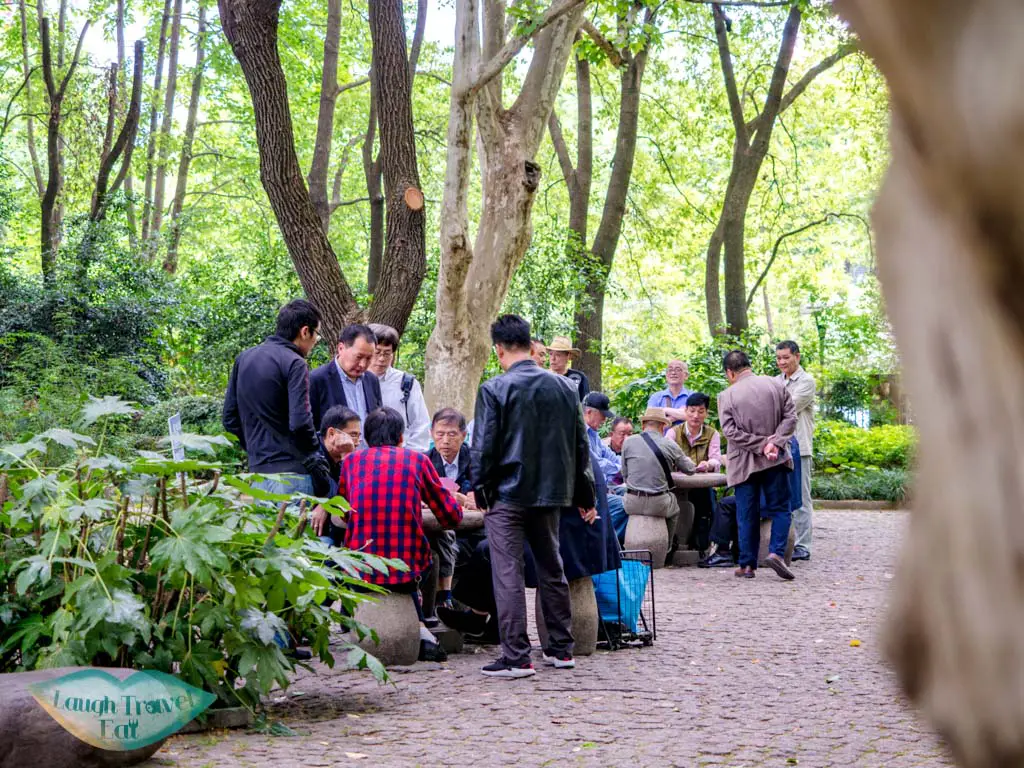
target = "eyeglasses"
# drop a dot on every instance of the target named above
(384, 354)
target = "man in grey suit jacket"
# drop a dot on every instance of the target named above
(801, 388)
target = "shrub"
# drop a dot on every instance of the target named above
(868, 485)
(839, 445)
(138, 563)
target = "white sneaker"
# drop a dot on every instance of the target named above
(560, 662)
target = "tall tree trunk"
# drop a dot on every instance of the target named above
(164, 141)
(373, 168)
(50, 207)
(590, 318)
(405, 261)
(372, 171)
(26, 71)
(473, 279)
(119, 148)
(712, 283)
(154, 118)
(750, 147)
(251, 28)
(948, 231)
(181, 184)
(128, 181)
(318, 169)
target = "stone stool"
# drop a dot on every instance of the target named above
(766, 536)
(32, 737)
(584, 617)
(394, 618)
(649, 524)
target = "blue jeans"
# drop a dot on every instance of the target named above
(774, 483)
(619, 518)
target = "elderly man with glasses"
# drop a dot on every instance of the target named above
(673, 397)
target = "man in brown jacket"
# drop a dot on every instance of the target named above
(758, 419)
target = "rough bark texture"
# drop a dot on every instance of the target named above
(318, 169)
(251, 28)
(154, 118)
(473, 278)
(164, 141)
(948, 225)
(372, 171)
(405, 261)
(181, 183)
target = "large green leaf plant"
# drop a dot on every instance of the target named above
(153, 563)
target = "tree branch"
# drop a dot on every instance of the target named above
(827, 63)
(340, 203)
(417, 37)
(775, 249)
(7, 113)
(349, 86)
(561, 150)
(603, 43)
(511, 49)
(746, 3)
(773, 101)
(729, 75)
(74, 59)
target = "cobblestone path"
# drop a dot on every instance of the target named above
(743, 673)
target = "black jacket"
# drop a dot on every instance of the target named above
(463, 480)
(267, 408)
(580, 379)
(325, 391)
(529, 442)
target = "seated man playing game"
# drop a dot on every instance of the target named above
(450, 457)
(386, 485)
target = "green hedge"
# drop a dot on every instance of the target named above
(840, 446)
(867, 485)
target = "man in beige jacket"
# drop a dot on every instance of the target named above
(801, 388)
(758, 419)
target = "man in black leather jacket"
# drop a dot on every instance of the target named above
(530, 458)
(267, 405)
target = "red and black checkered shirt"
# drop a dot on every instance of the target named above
(387, 487)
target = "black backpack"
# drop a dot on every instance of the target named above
(407, 381)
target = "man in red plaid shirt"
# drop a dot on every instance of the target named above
(386, 485)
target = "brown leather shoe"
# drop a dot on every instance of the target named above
(744, 572)
(778, 565)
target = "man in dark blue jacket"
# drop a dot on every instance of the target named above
(267, 405)
(346, 380)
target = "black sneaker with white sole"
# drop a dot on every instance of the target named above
(560, 660)
(510, 669)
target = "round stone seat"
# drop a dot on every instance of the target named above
(651, 521)
(32, 737)
(584, 616)
(394, 618)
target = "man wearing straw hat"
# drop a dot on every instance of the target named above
(560, 353)
(644, 459)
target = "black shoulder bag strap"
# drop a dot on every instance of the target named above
(407, 382)
(660, 457)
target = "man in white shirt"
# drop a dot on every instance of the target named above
(400, 390)
(801, 388)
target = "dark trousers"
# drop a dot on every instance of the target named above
(703, 500)
(474, 585)
(774, 483)
(724, 531)
(508, 528)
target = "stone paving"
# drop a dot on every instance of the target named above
(743, 674)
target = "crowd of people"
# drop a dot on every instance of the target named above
(555, 494)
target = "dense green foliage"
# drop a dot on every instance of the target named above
(839, 446)
(157, 564)
(863, 485)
